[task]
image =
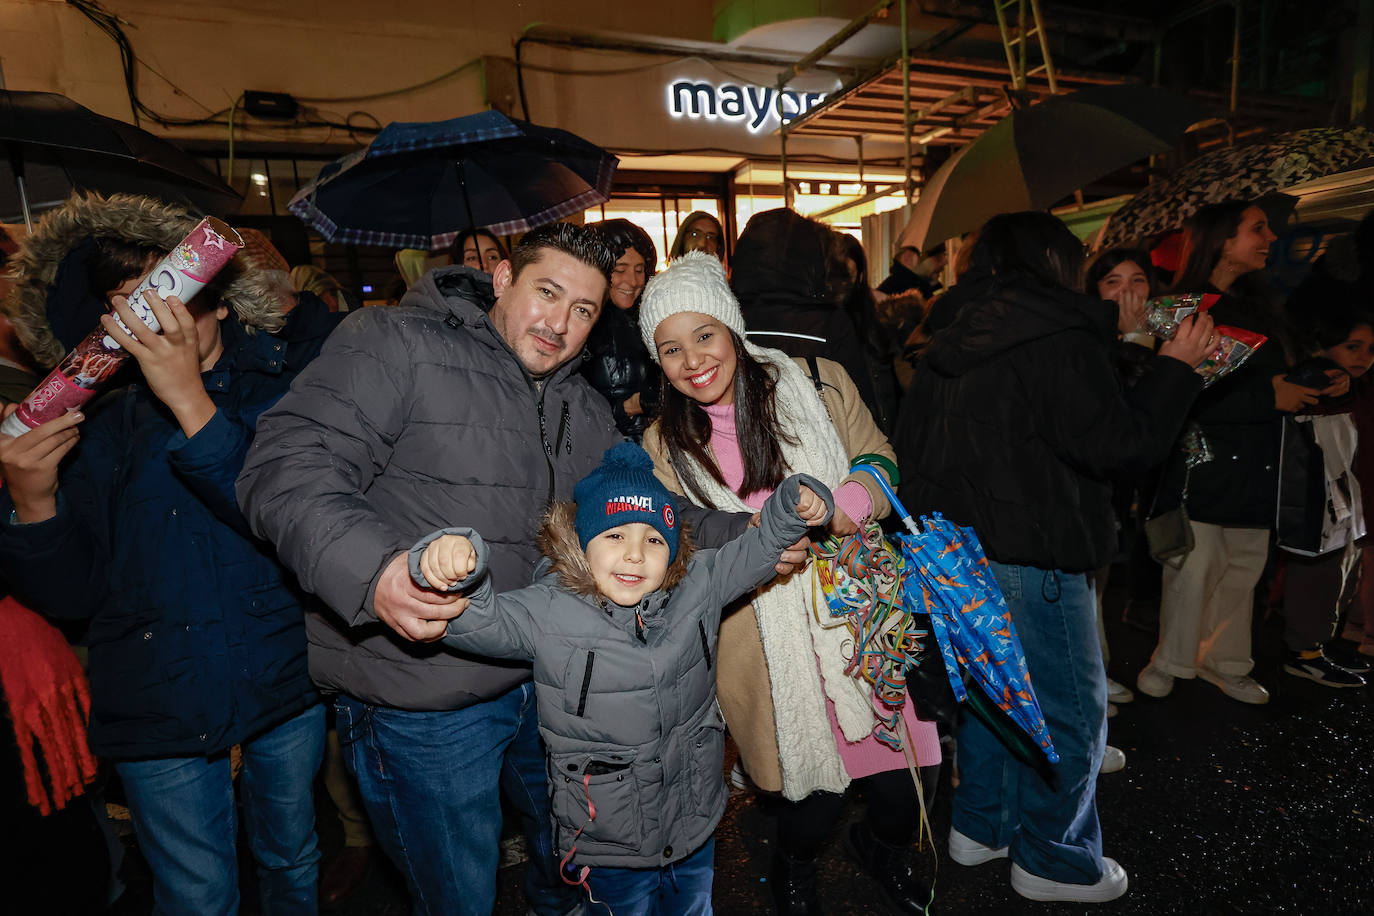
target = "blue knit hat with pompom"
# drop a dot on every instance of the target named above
(622, 490)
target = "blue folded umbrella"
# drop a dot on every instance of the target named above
(417, 185)
(969, 617)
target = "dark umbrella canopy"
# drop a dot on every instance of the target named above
(56, 146)
(1039, 155)
(419, 185)
(1244, 172)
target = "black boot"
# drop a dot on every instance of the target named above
(888, 866)
(794, 886)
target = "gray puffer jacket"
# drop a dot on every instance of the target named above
(411, 418)
(627, 695)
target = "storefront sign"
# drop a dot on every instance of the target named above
(754, 106)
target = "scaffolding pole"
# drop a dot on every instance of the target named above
(834, 41)
(908, 189)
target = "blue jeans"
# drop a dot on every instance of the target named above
(1053, 831)
(430, 782)
(187, 827)
(680, 889)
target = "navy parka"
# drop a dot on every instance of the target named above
(197, 634)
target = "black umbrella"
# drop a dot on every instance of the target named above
(1038, 155)
(50, 146)
(419, 185)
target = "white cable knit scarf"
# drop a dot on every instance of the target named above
(792, 636)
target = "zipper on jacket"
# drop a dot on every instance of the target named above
(562, 428)
(538, 393)
(586, 684)
(705, 643)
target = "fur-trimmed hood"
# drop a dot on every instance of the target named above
(250, 292)
(557, 541)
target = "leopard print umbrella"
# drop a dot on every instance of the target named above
(1237, 173)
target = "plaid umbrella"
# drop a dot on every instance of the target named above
(969, 616)
(1238, 173)
(419, 185)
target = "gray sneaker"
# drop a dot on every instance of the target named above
(1033, 887)
(1154, 683)
(1236, 686)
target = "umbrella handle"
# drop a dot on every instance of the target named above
(897, 506)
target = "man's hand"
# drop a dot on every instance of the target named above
(29, 464)
(448, 560)
(170, 361)
(632, 405)
(418, 615)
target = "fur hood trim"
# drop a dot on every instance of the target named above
(250, 291)
(557, 540)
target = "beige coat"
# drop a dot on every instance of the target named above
(742, 675)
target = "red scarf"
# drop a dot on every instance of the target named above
(49, 704)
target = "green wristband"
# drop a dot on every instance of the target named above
(883, 463)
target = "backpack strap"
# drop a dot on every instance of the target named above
(815, 374)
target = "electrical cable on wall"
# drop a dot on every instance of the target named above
(113, 26)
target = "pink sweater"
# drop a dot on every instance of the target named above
(869, 755)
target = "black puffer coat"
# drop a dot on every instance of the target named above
(619, 367)
(1239, 486)
(780, 274)
(1016, 420)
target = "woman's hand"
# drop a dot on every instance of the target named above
(841, 524)
(1130, 310)
(170, 361)
(1195, 340)
(1291, 398)
(1340, 383)
(631, 405)
(29, 464)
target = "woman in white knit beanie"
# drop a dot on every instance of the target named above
(735, 419)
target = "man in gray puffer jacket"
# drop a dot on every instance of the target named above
(622, 628)
(447, 408)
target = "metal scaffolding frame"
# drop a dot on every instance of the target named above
(856, 25)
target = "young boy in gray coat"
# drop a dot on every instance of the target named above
(621, 625)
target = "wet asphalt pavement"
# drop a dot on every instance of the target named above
(1222, 809)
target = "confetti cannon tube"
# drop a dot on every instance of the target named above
(82, 372)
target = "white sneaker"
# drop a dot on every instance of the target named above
(1118, 692)
(967, 851)
(1154, 683)
(1033, 887)
(1113, 760)
(1237, 687)
(738, 778)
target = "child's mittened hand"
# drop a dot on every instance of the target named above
(810, 507)
(448, 560)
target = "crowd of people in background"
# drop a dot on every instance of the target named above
(534, 540)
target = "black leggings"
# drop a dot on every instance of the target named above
(893, 812)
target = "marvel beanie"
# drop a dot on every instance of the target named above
(694, 282)
(622, 490)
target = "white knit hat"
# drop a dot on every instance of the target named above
(693, 282)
